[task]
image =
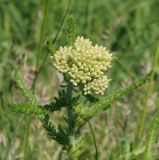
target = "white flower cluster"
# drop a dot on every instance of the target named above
(85, 65)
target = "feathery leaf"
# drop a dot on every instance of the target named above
(83, 115)
(28, 108)
(26, 92)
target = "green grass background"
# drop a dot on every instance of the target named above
(129, 28)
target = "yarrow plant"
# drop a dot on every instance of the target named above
(84, 67)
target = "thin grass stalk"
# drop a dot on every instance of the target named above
(87, 16)
(13, 138)
(53, 42)
(26, 140)
(149, 91)
(94, 140)
(155, 120)
(42, 31)
(151, 137)
(38, 54)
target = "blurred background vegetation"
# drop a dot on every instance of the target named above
(128, 28)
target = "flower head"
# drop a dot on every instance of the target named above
(85, 65)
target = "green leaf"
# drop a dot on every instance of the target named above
(55, 133)
(28, 108)
(71, 30)
(58, 103)
(91, 98)
(25, 91)
(83, 115)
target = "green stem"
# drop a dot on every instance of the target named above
(38, 70)
(151, 136)
(69, 108)
(145, 110)
(26, 137)
(94, 139)
(149, 91)
(154, 124)
(38, 53)
(12, 139)
(41, 38)
(71, 128)
(87, 17)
